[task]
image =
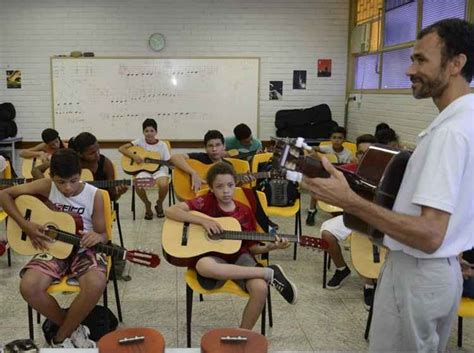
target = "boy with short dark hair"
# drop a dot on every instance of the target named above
(150, 142)
(214, 269)
(65, 191)
(243, 141)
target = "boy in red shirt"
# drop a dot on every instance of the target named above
(214, 269)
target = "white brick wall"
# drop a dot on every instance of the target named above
(406, 115)
(286, 34)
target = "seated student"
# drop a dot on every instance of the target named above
(467, 266)
(51, 143)
(215, 152)
(150, 143)
(381, 126)
(343, 155)
(334, 231)
(242, 141)
(87, 147)
(387, 137)
(64, 190)
(214, 268)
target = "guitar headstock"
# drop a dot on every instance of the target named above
(143, 258)
(286, 153)
(313, 242)
(144, 182)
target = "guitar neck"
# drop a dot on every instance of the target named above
(238, 235)
(110, 250)
(109, 183)
(156, 161)
(14, 181)
(258, 175)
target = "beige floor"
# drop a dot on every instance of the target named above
(322, 320)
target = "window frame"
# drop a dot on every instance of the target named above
(383, 49)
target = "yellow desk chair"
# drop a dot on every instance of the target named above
(367, 260)
(466, 309)
(171, 194)
(284, 211)
(229, 287)
(64, 287)
(7, 174)
(258, 159)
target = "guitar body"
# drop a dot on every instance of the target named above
(384, 170)
(221, 341)
(182, 180)
(362, 255)
(37, 211)
(152, 342)
(183, 252)
(149, 165)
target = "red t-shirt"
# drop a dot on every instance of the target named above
(208, 205)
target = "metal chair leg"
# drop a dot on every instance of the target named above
(116, 291)
(459, 331)
(189, 313)
(270, 313)
(369, 318)
(263, 319)
(133, 201)
(117, 218)
(30, 323)
(325, 270)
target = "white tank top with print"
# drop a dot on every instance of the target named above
(82, 204)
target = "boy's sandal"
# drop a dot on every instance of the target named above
(159, 211)
(148, 215)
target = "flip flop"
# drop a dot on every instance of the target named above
(159, 211)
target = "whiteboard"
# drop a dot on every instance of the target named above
(111, 97)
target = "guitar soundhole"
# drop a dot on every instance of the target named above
(52, 231)
(214, 236)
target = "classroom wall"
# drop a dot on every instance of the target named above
(406, 115)
(286, 35)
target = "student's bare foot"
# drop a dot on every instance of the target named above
(159, 210)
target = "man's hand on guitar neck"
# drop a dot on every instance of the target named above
(36, 233)
(333, 190)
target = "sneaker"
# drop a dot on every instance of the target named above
(283, 285)
(80, 338)
(368, 297)
(310, 219)
(339, 277)
(67, 343)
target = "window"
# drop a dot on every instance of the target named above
(400, 22)
(394, 25)
(435, 10)
(395, 64)
(365, 72)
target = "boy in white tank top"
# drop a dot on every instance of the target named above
(67, 193)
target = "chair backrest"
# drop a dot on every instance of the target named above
(330, 157)
(260, 158)
(240, 166)
(107, 214)
(7, 172)
(168, 144)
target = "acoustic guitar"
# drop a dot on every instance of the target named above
(132, 340)
(235, 153)
(182, 180)
(62, 228)
(377, 178)
(151, 161)
(233, 340)
(183, 243)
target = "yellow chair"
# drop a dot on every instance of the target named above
(7, 174)
(367, 259)
(258, 159)
(64, 287)
(466, 309)
(229, 287)
(171, 194)
(287, 211)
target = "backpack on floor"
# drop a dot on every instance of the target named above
(100, 321)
